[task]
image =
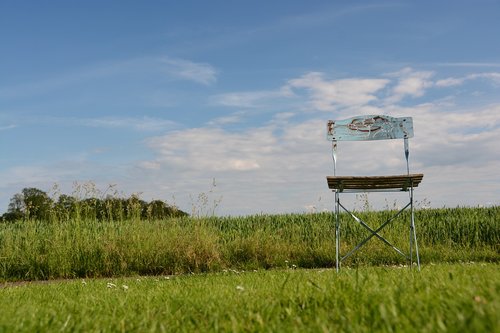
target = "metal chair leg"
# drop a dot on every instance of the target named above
(374, 232)
(337, 232)
(413, 233)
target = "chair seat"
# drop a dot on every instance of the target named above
(374, 183)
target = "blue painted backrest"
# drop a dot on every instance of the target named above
(372, 127)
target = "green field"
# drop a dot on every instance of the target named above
(443, 297)
(34, 250)
(255, 273)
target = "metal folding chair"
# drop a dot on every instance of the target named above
(365, 128)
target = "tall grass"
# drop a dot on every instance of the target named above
(73, 248)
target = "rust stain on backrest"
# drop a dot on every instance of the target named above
(371, 127)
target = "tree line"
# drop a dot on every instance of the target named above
(35, 204)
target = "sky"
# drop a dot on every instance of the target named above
(220, 107)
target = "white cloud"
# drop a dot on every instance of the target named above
(345, 96)
(233, 118)
(321, 94)
(327, 95)
(150, 67)
(253, 167)
(213, 149)
(249, 99)
(150, 165)
(185, 69)
(280, 165)
(7, 127)
(410, 83)
(470, 64)
(494, 76)
(43, 176)
(29, 174)
(459, 138)
(146, 124)
(449, 82)
(141, 124)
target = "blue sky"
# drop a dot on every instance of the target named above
(171, 99)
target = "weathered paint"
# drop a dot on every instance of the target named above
(372, 127)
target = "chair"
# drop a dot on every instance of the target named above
(364, 128)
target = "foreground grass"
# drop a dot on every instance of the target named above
(38, 250)
(453, 298)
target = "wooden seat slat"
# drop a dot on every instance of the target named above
(359, 183)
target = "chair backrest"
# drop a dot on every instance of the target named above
(371, 127)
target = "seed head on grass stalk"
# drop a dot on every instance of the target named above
(206, 203)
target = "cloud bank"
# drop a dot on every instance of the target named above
(287, 158)
(279, 165)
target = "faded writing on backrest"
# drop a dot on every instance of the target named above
(373, 127)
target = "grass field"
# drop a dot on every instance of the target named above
(443, 297)
(34, 250)
(188, 274)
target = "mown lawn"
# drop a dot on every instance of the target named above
(440, 298)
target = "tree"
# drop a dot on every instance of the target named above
(16, 204)
(16, 209)
(38, 203)
(157, 210)
(65, 207)
(33, 203)
(30, 203)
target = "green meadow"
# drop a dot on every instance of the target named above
(440, 298)
(254, 273)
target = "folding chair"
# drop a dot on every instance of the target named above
(365, 128)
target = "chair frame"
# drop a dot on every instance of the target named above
(367, 128)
